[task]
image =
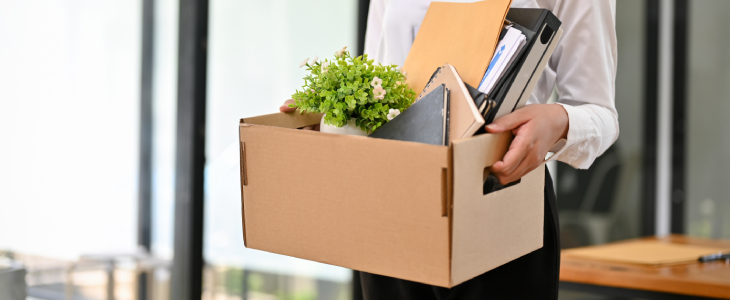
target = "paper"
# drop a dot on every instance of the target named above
(644, 252)
(506, 52)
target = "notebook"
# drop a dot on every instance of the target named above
(426, 121)
(464, 117)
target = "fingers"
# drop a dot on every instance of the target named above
(285, 107)
(508, 122)
(512, 159)
(520, 158)
(507, 172)
(534, 136)
(528, 164)
(311, 127)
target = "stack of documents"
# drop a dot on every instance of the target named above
(507, 50)
(499, 56)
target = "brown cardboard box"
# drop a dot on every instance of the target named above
(407, 210)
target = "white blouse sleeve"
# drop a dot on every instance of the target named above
(374, 27)
(584, 64)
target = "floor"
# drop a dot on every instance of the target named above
(564, 295)
(570, 295)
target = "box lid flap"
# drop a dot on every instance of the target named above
(285, 120)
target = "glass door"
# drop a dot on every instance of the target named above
(255, 48)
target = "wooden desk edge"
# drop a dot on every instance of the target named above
(619, 275)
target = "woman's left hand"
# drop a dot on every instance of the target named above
(537, 127)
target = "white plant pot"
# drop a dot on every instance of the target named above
(349, 129)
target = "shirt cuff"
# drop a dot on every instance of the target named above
(569, 150)
(557, 149)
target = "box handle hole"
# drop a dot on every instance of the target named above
(491, 183)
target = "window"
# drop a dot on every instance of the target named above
(253, 66)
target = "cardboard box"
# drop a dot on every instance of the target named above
(407, 210)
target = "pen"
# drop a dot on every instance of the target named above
(714, 257)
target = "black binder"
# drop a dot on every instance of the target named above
(542, 31)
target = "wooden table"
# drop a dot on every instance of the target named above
(687, 281)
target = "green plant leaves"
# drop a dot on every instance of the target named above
(345, 91)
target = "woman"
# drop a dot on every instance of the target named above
(579, 128)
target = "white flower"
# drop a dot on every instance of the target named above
(341, 52)
(324, 66)
(315, 59)
(304, 63)
(379, 92)
(376, 82)
(392, 113)
(405, 74)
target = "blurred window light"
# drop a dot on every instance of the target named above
(69, 101)
(255, 48)
(707, 141)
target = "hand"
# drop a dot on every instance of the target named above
(285, 108)
(537, 128)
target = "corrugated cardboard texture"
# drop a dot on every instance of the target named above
(645, 252)
(461, 34)
(357, 202)
(491, 230)
(285, 120)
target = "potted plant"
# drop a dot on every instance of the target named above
(355, 95)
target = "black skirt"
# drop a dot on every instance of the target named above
(533, 276)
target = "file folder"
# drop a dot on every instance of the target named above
(542, 30)
(461, 34)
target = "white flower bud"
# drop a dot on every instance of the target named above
(392, 113)
(376, 82)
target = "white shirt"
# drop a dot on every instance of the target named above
(582, 67)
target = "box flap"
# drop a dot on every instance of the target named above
(286, 120)
(368, 204)
(491, 230)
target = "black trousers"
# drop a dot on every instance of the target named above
(533, 276)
